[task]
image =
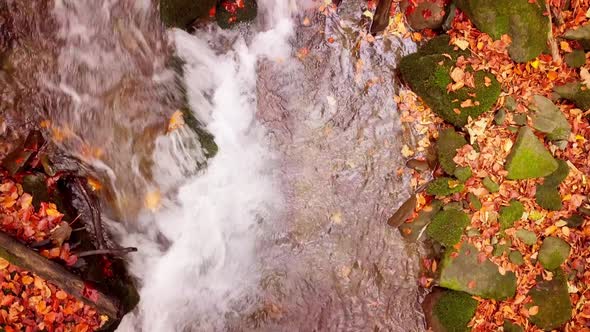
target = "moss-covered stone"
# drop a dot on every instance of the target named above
(516, 258)
(554, 251)
(519, 119)
(229, 13)
(575, 220)
(529, 158)
(511, 213)
(447, 226)
(500, 249)
(510, 103)
(463, 173)
(463, 271)
(575, 92)
(511, 327)
(446, 149)
(580, 34)
(454, 310)
(527, 237)
(557, 177)
(474, 201)
(549, 119)
(548, 197)
(411, 231)
(500, 117)
(181, 13)
(576, 59)
(524, 21)
(444, 186)
(490, 185)
(553, 300)
(428, 74)
(414, 11)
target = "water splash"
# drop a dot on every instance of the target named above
(212, 224)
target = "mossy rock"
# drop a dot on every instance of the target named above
(428, 74)
(181, 13)
(411, 231)
(490, 185)
(414, 12)
(529, 158)
(554, 252)
(511, 327)
(474, 201)
(228, 14)
(575, 220)
(553, 299)
(500, 249)
(527, 237)
(522, 20)
(576, 59)
(516, 258)
(463, 173)
(548, 197)
(511, 213)
(580, 34)
(560, 174)
(449, 311)
(462, 271)
(446, 149)
(549, 119)
(575, 92)
(444, 187)
(447, 226)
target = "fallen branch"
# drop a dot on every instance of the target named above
(23, 257)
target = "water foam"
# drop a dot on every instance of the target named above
(211, 224)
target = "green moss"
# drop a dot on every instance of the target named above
(557, 177)
(548, 197)
(553, 300)
(529, 158)
(463, 173)
(446, 149)
(522, 20)
(527, 237)
(447, 226)
(511, 327)
(516, 258)
(444, 187)
(428, 74)
(575, 92)
(576, 59)
(474, 201)
(554, 251)
(511, 213)
(454, 310)
(490, 185)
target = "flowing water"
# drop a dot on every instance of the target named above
(285, 229)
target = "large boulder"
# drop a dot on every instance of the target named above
(425, 14)
(523, 20)
(553, 300)
(181, 13)
(463, 271)
(428, 73)
(529, 158)
(448, 311)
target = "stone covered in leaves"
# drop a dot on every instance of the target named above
(523, 20)
(549, 119)
(554, 251)
(553, 300)
(181, 13)
(448, 311)
(578, 93)
(529, 158)
(446, 149)
(428, 74)
(511, 213)
(424, 14)
(231, 12)
(444, 186)
(447, 226)
(548, 197)
(463, 271)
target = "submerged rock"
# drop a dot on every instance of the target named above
(529, 158)
(554, 251)
(428, 72)
(511, 213)
(575, 92)
(523, 20)
(181, 13)
(462, 271)
(447, 227)
(446, 149)
(425, 14)
(448, 311)
(553, 300)
(549, 119)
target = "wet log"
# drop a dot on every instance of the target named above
(381, 17)
(23, 257)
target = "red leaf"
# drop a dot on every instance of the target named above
(90, 292)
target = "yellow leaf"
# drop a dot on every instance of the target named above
(52, 212)
(462, 44)
(94, 184)
(152, 200)
(27, 280)
(535, 64)
(176, 121)
(368, 14)
(3, 263)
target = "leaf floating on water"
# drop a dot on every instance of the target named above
(176, 121)
(404, 212)
(152, 200)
